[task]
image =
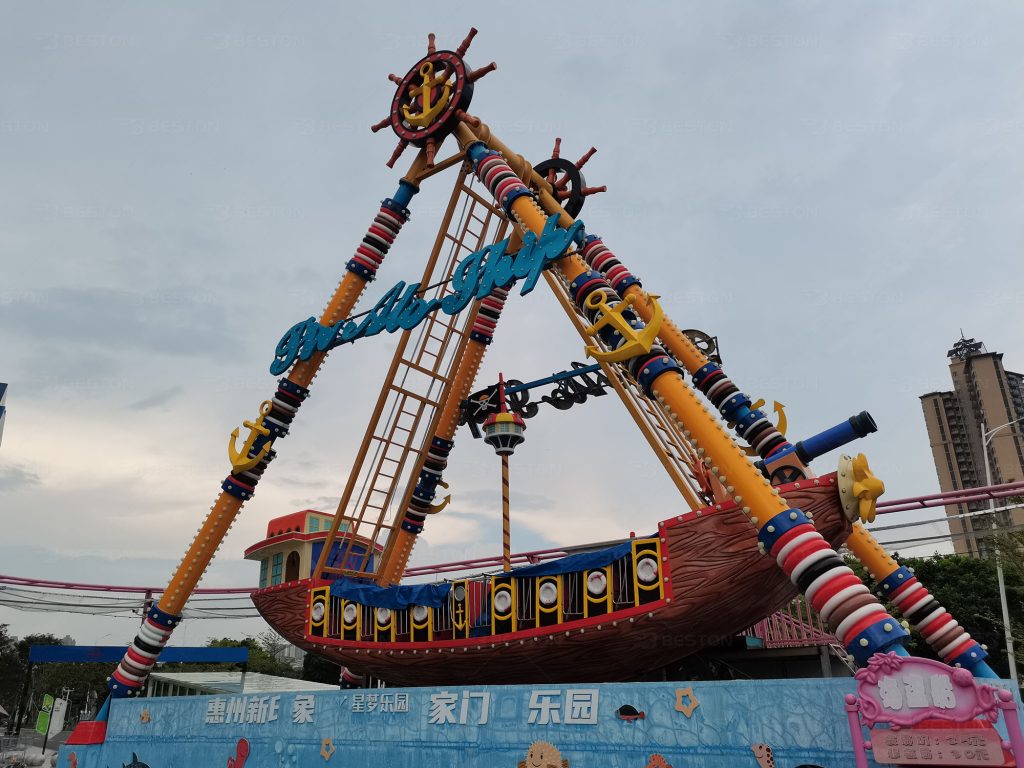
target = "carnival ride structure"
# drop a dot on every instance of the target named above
(759, 526)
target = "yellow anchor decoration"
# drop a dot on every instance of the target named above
(240, 460)
(779, 408)
(859, 489)
(444, 503)
(637, 342)
(425, 91)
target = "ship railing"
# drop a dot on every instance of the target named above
(476, 606)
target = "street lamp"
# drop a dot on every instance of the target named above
(986, 438)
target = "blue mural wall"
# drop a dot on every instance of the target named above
(690, 725)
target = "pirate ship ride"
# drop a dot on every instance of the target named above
(699, 579)
(757, 526)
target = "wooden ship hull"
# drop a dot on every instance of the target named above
(711, 584)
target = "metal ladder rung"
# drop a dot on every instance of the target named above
(425, 371)
(414, 396)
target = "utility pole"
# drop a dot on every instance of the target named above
(986, 438)
(26, 689)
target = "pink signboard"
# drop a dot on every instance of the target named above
(900, 692)
(904, 691)
(937, 746)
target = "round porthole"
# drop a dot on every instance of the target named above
(547, 594)
(597, 583)
(502, 601)
(647, 570)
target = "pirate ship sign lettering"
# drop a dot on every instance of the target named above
(402, 308)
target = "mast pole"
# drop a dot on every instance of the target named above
(506, 548)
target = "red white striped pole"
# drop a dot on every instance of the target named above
(506, 543)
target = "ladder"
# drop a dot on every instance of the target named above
(398, 433)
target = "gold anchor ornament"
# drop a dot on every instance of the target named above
(425, 91)
(444, 502)
(240, 459)
(636, 342)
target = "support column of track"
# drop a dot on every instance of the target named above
(239, 486)
(858, 619)
(897, 584)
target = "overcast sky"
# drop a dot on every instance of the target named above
(833, 189)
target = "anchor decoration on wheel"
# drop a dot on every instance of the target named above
(431, 98)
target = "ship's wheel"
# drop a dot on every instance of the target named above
(705, 343)
(432, 97)
(566, 179)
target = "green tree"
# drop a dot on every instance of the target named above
(319, 670)
(10, 672)
(16, 682)
(86, 684)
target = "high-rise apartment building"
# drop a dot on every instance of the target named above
(984, 396)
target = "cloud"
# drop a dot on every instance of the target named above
(320, 503)
(155, 400)
(489, 499)
(17, 478)
(835, 173)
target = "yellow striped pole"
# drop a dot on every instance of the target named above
(859, 620)
(249, 463)
(901, 587)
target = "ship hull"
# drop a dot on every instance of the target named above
(716, 585)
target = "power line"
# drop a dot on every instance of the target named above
(976, 534)
(56, 601)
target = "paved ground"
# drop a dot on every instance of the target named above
(32, 743)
